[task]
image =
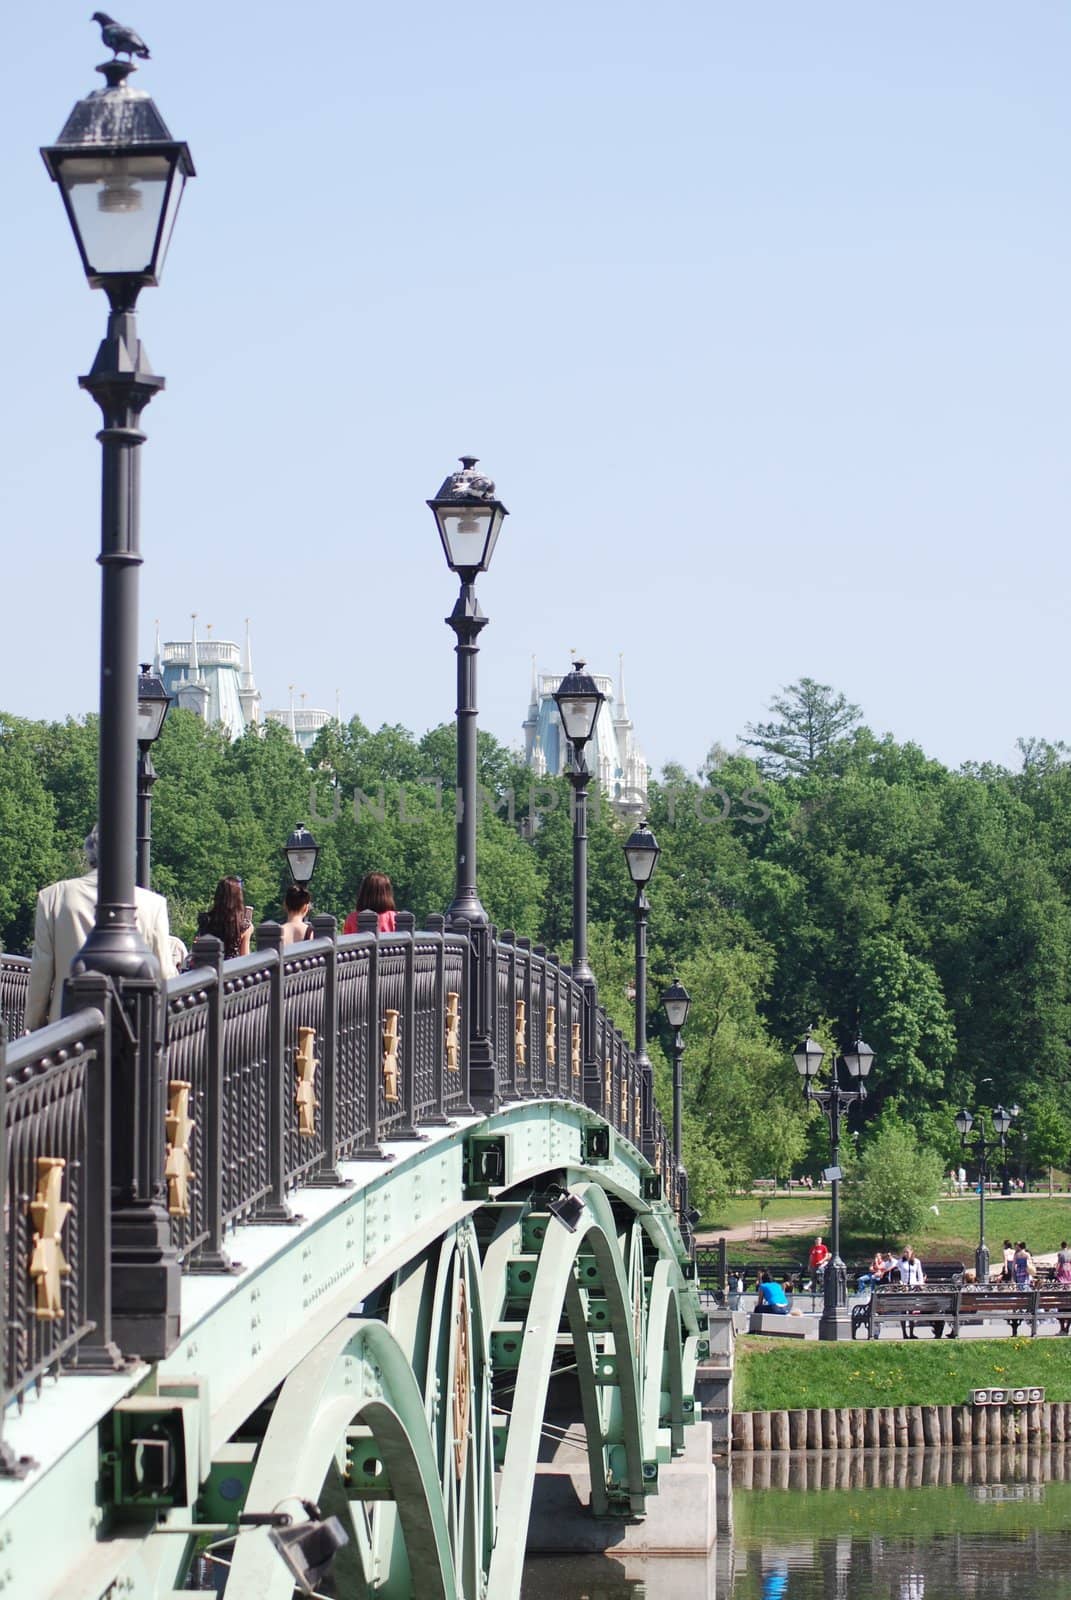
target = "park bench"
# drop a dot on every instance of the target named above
(932, 1306)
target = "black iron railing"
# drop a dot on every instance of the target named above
(14, 988)
(280, 1065)
(54, 1228)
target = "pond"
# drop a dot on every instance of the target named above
(899, 1525)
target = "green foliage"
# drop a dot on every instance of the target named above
(892, 1187)
(812, 719)
(832, 873)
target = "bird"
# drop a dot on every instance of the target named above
(120, 41)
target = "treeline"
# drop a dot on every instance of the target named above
(828, 877)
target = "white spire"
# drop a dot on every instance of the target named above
(621, 712)
(156, 667)
(293, 724)
(338, 707)
(192, 693)
(247, 663)
(248, 693)
(533, 697)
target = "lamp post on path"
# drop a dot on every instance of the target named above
(982, 1148)
(834, 1323)
(469, 517)
(121, 176)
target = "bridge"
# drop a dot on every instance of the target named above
(396, 1276)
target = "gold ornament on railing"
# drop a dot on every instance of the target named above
(552, 1036)
(453, 1031)
(520, 1041)
(48, 1212)
(305, 1094)
(390, 1057)
(608, 1084)
(178, 1125)
(462, 1381)
(574, 1052)
(635, 1119)
(624, 1102)
(658, 1159)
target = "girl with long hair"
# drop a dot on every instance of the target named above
(375, 894)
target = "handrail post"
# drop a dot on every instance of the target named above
(97, 1352)
(327, 1175)
(274, 1208)
(11, 1465)
(207, 953)
(405, 923)
(434, 927)
(466, 1108)
(370, 1148)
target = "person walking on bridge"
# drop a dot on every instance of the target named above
(375, 894)
(65, 915)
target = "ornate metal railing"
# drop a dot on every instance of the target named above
(55, 1228)
(279, 1066)
(14, 988)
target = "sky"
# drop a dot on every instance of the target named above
(756, 312)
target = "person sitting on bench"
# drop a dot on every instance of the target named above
(771, 1297)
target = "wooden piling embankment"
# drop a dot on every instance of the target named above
(842, 1429)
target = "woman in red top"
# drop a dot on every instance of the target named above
(375, 894)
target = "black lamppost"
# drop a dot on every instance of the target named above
(982, 1148)
(469, 516)
(642, 851)
(121, 176)
(301, 852)
(834, 1322)
(1005, 1174)
(676, 1003)
(152, 709)
(579, 700)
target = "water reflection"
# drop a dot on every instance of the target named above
(892, 1525)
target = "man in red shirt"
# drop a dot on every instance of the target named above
(818, 1257)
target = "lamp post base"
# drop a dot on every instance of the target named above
(981, 1263)
(835, 1322)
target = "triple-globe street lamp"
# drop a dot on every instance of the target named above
(121, 177)
(858, 1058)
(469, 517)
(982, 1148)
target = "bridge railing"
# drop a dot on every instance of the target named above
(14, 988)
(388, 1016)
(54, 1230)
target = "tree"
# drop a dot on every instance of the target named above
(889, 1191)
(811, 719)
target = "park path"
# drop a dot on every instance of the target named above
(818, 1220)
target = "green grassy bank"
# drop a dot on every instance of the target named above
(951, 1234)
(795, 1375)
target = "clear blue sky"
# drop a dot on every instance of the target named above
(756, 312)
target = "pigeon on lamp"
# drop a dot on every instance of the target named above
(120, 40)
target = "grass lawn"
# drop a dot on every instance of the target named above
(774, 1376)
(952, 1234)
(740, 1209)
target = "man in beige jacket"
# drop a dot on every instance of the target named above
(66, 912)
